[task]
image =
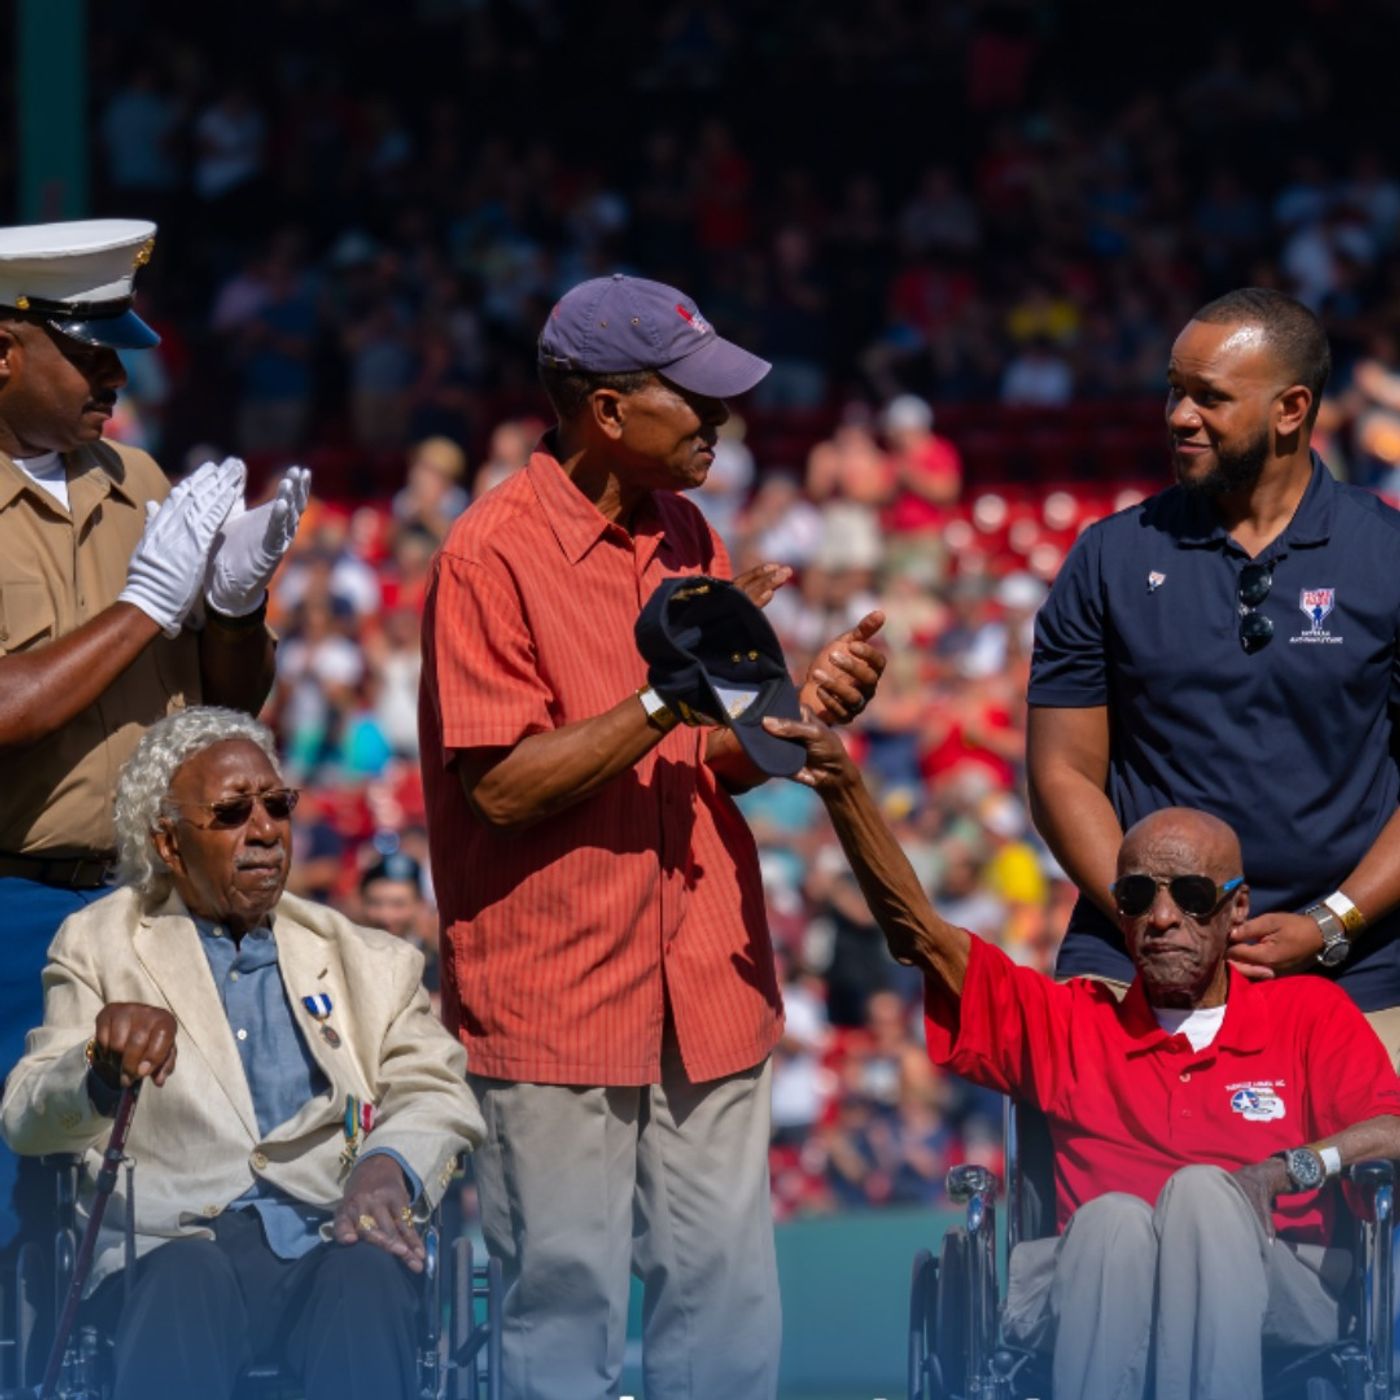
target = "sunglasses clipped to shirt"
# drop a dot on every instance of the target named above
(1252, 587)
(228, 812)
(1195, 895)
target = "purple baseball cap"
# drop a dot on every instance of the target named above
(619, 324)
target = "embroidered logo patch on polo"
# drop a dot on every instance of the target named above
(1316, 604)
(1155, 580)
(1256, 1103)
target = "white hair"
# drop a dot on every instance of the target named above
(143, 786)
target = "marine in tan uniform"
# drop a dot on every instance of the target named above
(110, 589)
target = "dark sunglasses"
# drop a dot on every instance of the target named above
(1256, 631)
(1196, 895)
(278, 803)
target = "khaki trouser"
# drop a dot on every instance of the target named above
(1195, 1282)
(582, 1187)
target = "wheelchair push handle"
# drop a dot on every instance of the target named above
(969, 1180)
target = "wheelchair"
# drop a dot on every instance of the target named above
(956, 1350)
(459, 1342)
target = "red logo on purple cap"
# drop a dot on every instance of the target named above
(695, 320)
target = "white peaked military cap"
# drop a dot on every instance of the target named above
(77, 277)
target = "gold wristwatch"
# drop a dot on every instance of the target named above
(659, 714)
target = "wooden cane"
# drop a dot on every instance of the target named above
(106, 1182)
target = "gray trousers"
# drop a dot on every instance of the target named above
(582, 1187)
(1195, 1283)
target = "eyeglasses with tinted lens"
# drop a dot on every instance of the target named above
(229, 812)
(1195, 895)
(1256, 630)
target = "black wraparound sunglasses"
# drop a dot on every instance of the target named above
(1196, 895)
(1256, 631)
(278, 803)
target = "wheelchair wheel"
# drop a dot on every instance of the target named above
(950, 1313)
(923, 1285)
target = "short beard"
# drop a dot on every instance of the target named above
(1233, 471)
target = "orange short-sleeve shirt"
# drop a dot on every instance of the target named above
(561, 943)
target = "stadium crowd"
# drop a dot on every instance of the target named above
(374, 258)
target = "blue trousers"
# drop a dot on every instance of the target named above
(30, 914)
(342, 1319)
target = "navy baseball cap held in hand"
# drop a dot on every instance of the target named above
(620, 324)
(714, 659)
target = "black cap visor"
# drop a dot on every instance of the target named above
(124, 331)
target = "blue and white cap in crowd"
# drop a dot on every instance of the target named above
(619, 324)
(77, 277)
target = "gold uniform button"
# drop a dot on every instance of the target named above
(70, 1121)
(211, 1211)
(260, 1161)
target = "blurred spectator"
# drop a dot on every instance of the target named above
(139, 130)
(726, 487)
(274, 344)
(927, 468)
(511, 445)
(1038, 377)
(432, 497)
(229, 140)
(391, 898)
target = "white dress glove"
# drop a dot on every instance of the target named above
(251, 545)
(172, 556)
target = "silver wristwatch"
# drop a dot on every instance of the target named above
(1306, 1169)
(1335, 946)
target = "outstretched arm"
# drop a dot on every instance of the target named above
(914, 931)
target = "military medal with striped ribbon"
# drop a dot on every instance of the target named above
(359, 1119)
(319, 1007)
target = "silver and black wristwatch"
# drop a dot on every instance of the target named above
(1306, 1169)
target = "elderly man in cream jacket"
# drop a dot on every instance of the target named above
(305, 1109)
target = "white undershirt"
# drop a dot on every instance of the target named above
(1200, 1027)
(48, 473)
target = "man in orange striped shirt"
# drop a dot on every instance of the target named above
(605, 957)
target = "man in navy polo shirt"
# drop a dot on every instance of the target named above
(1230, 645)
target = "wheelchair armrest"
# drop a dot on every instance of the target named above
(1372, 1172)
(1369, 1177)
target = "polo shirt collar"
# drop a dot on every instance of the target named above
(576, 522)
(1198, 524)
(1245, 1030)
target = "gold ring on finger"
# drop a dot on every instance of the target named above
(368, 1223)
(406, 1215)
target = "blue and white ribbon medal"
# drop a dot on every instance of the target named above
(318, 1006)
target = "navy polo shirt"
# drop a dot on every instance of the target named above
(1291, 745)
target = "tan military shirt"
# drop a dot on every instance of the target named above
(58, 569)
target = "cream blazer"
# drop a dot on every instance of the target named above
(195, 1140)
